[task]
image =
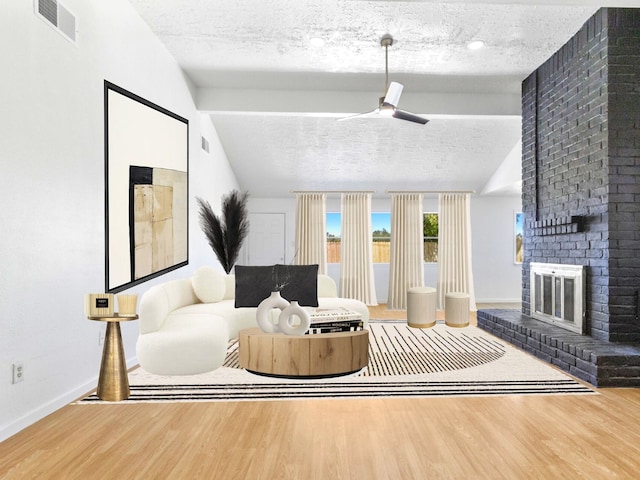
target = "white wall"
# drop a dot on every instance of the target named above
(496, 277)
(52, 187)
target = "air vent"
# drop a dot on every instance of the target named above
(56, 15)
(49, 10)
(205, 144)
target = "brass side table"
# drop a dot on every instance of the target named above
(113, 384)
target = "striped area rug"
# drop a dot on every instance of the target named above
(396, 349)
(403, 362)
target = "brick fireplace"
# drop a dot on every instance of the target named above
(581, 198)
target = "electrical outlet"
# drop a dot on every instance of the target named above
(18, 373)
(101, 337)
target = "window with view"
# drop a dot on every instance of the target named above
(381, 233)
(381, 224)
(430, 230)
(333, 237)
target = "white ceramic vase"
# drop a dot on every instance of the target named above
(286, 320)
(263, 312)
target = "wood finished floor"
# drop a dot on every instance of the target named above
(502, 437)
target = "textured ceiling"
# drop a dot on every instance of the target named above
(431, 38)
(253, 66)
(374, 154)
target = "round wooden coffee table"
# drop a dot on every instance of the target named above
(320, 355)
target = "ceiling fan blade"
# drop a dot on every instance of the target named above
(359, 115)
(393, 94)
(402, 115)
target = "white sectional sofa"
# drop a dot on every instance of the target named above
(185, 325)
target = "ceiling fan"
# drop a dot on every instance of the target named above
(387, 105)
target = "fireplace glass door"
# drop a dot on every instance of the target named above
(557, 292)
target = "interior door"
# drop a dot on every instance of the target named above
(266, 238)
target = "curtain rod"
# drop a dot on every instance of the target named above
(332, 191)
(429, 191)
(386, 191)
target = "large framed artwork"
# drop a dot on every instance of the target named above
(146, 189)
(518, 236)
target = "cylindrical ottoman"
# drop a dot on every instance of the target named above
(456, 309)
(421, 307)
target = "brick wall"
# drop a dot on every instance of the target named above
(581, 150)
(624, 173)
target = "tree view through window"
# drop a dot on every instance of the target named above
(381, 248)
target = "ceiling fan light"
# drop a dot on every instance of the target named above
(475, 45)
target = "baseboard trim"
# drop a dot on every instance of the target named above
(51, 406)
(478, 300)
(498, 300)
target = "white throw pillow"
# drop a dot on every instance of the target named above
(208, 284)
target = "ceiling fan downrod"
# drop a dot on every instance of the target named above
(386, 41)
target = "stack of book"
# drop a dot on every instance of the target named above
(329, 320)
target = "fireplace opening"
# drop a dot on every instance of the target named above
(557, 293)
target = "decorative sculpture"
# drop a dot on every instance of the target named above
(285, 320)
(285, 323)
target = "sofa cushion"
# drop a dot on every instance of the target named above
(185, 345)
(230, 287)
(160, 300)
(349, 304)
(326, 286)
(208, 284)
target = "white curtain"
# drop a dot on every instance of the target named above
(356, 259)
(407, 251)
(311, 230)
(454, 247)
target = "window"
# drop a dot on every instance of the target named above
(381, 225)
(381, 232)
(430, 225)
(333, 237)
(519, 251)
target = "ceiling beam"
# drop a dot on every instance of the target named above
(580, 3)
(350, 102)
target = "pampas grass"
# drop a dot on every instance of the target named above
(226, 233)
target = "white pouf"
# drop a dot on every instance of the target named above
(421, 307)
(456, 309)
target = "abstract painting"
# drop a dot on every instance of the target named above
(146, 189)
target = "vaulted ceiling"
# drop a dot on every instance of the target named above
(274, 96)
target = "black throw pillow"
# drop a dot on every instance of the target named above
(253, 284)
(299, 282)
(295, 282)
